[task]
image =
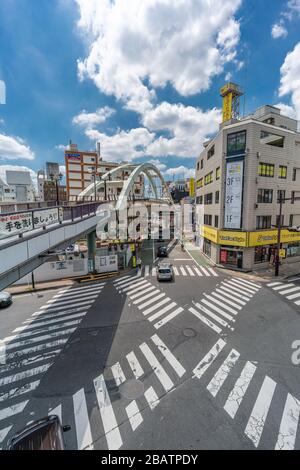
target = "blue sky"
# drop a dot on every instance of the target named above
(144, 80)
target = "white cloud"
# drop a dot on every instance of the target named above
(62, 169)
(4, 168)
(294, 6)
(290, 78)
(180, 171)
(161, 166)
(14, 148)
(278, 31)
(61, 147)
(91, 119)
(2, 121)
(287, 110)
(135, 47)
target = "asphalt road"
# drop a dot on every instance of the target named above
(203, 362)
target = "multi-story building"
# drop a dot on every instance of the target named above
(240, 175)
(18, 187)
(52, 170)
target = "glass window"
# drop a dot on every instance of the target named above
(216, 221)
(207, 219)
(208, 178)
(217, 197)
(201, 163)
(200, 183)
(280, 194)
(210, 152)
(277, 220)
(236, 143)
(263, 221)
(208, 198)
(265, 196)
(218, 173)
(282, 172)
(271, 139)
(266, 169)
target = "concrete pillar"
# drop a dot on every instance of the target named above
(91, 244)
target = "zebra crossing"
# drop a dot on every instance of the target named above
(289, 290)
(182, 270)
(238, 376)
(152, 363)
(30, 350)
(219, 309)
(154, 304)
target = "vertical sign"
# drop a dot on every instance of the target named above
(192, 187)
(233, 194)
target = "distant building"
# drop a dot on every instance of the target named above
(51, 192)
(52, 170)
(179, 189)
(19, 187)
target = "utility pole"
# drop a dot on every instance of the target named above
(277, 259)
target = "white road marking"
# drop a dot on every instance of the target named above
(157, 368)
(12, 410)
(134, 415)
(125, 280)
(82, 422)
(151, 398)
(205, 271)
(68, 298)
(147, 296)
(162, 312)
(29, 361)
(142, 292)
(198, 271)
(147, 269)
(118, 374)
(54, 314)
(16, 392)
(141, 285)
(156, 306)
(274, 284)
(223, 292)
(111, 429)
(293, 296)
(168, 318)
(224, 299)
(244, 290)
(56, 411)
(205, 320)
(235, 291)
(40, 330)
(251, 289)
(53, 303)
(288, 291)
(190, 271)
(78, 294)
(238, 392)
(131, 283)
(211, 314)
(221, 304)
(82, 289)
(283, 286)
(135, 365)
(209, 358)
(222, 373)
(31, 326)
(179, 369)
(260, 410)
(39, 339)
(250, 283)
(297, 302)
(175, 271)
(26, 351)
(24, 374)
(153, 271)
(289, 424)
(217, 309)
(183, 270)
(53, 309)
(213, 272)
(153, 299)
(121, 279)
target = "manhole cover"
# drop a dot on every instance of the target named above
(189, 332)
(132, 389)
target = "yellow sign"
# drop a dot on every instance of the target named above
(192, 187)
(210, 233)
(265, 237)
(227, 107)
(282, 253)
(232, 238)
(132, 247)
(287, 236)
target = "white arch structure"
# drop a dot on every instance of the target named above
(148, 169)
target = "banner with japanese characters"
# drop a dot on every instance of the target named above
(45, 217)
(14, 224)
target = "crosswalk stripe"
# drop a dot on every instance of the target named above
(198, 271)
(153, 272)
(217, 309)
(224, 293)
(288, 291)
(16, 392)
(77, 294)
(297, 302)
(141, 293)
(110, 425)
(147, 296)
(131, 282)
(168, 318)
(82, 422)
(175, 271)
(238, 392)
(12, 410)
(156, 306)
(56, 411)
(151, 398)
(205, 271)
(283, 286)
(221, 304)
(274, 284)
(125, 281)
(289, 424)
(147, 269)
(250, 283)
(57, 303)
(179, 369)
(24, 374)
(221, 297)
(26, 351)
(26, 342)
(236, 291)
(212, 315)
(190, 271)
(149, 302)
(209, 358)
(54, 314)
(260, 410)
(243, 289)
(157, 368)
(134, 415)
(251, 289)
(52, 308)
(68, 298)
(162, 312)
(81, 289)
(213, 272)
(121, 279)
(25, 334)
(205, 320)
(141, 285)
(135, 365)
(222, 373)
(31, 326)
(293, 296)
(118, 374)
(183, 270)
(10, 366)
(4, 432)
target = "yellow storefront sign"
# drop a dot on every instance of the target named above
(192, 187)
(282, 253)
(287, 236)
(232, 238)
(210, 234)
(264, 237)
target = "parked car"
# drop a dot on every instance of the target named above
(44, 434)
(5, 299)
(164, 272)
(162, 252)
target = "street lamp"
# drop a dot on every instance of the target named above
(56, 178)
(94, 174)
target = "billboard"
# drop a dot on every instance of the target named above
(234, 194)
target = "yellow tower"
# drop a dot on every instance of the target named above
(231, 101)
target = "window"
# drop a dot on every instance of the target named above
(282, 172)
(263, 221)
(266, 169)
(207, 219)
(210, 152)
(208, 198)
(197, 166)
(208, 178)
(271, 139)
(270, 121)
(200, 183)
(293, 197)
(236, 143)
(201, 163)
(199, 199)
(265, 196)
(277, 220)
(294, 174)
(218, 173)
(280, 194)
(217, 197)
(291, 220)
(216, 221)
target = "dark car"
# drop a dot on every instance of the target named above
(162, 252)
(5, 299)
(44, 434)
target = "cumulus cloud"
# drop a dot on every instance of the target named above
(14, 148)
(180, 171)
(136, 47)
(278, 31)
(91, 119)
(290, 79)
(61, 147)
(287, 110)
(4, 168)
(290, 12)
